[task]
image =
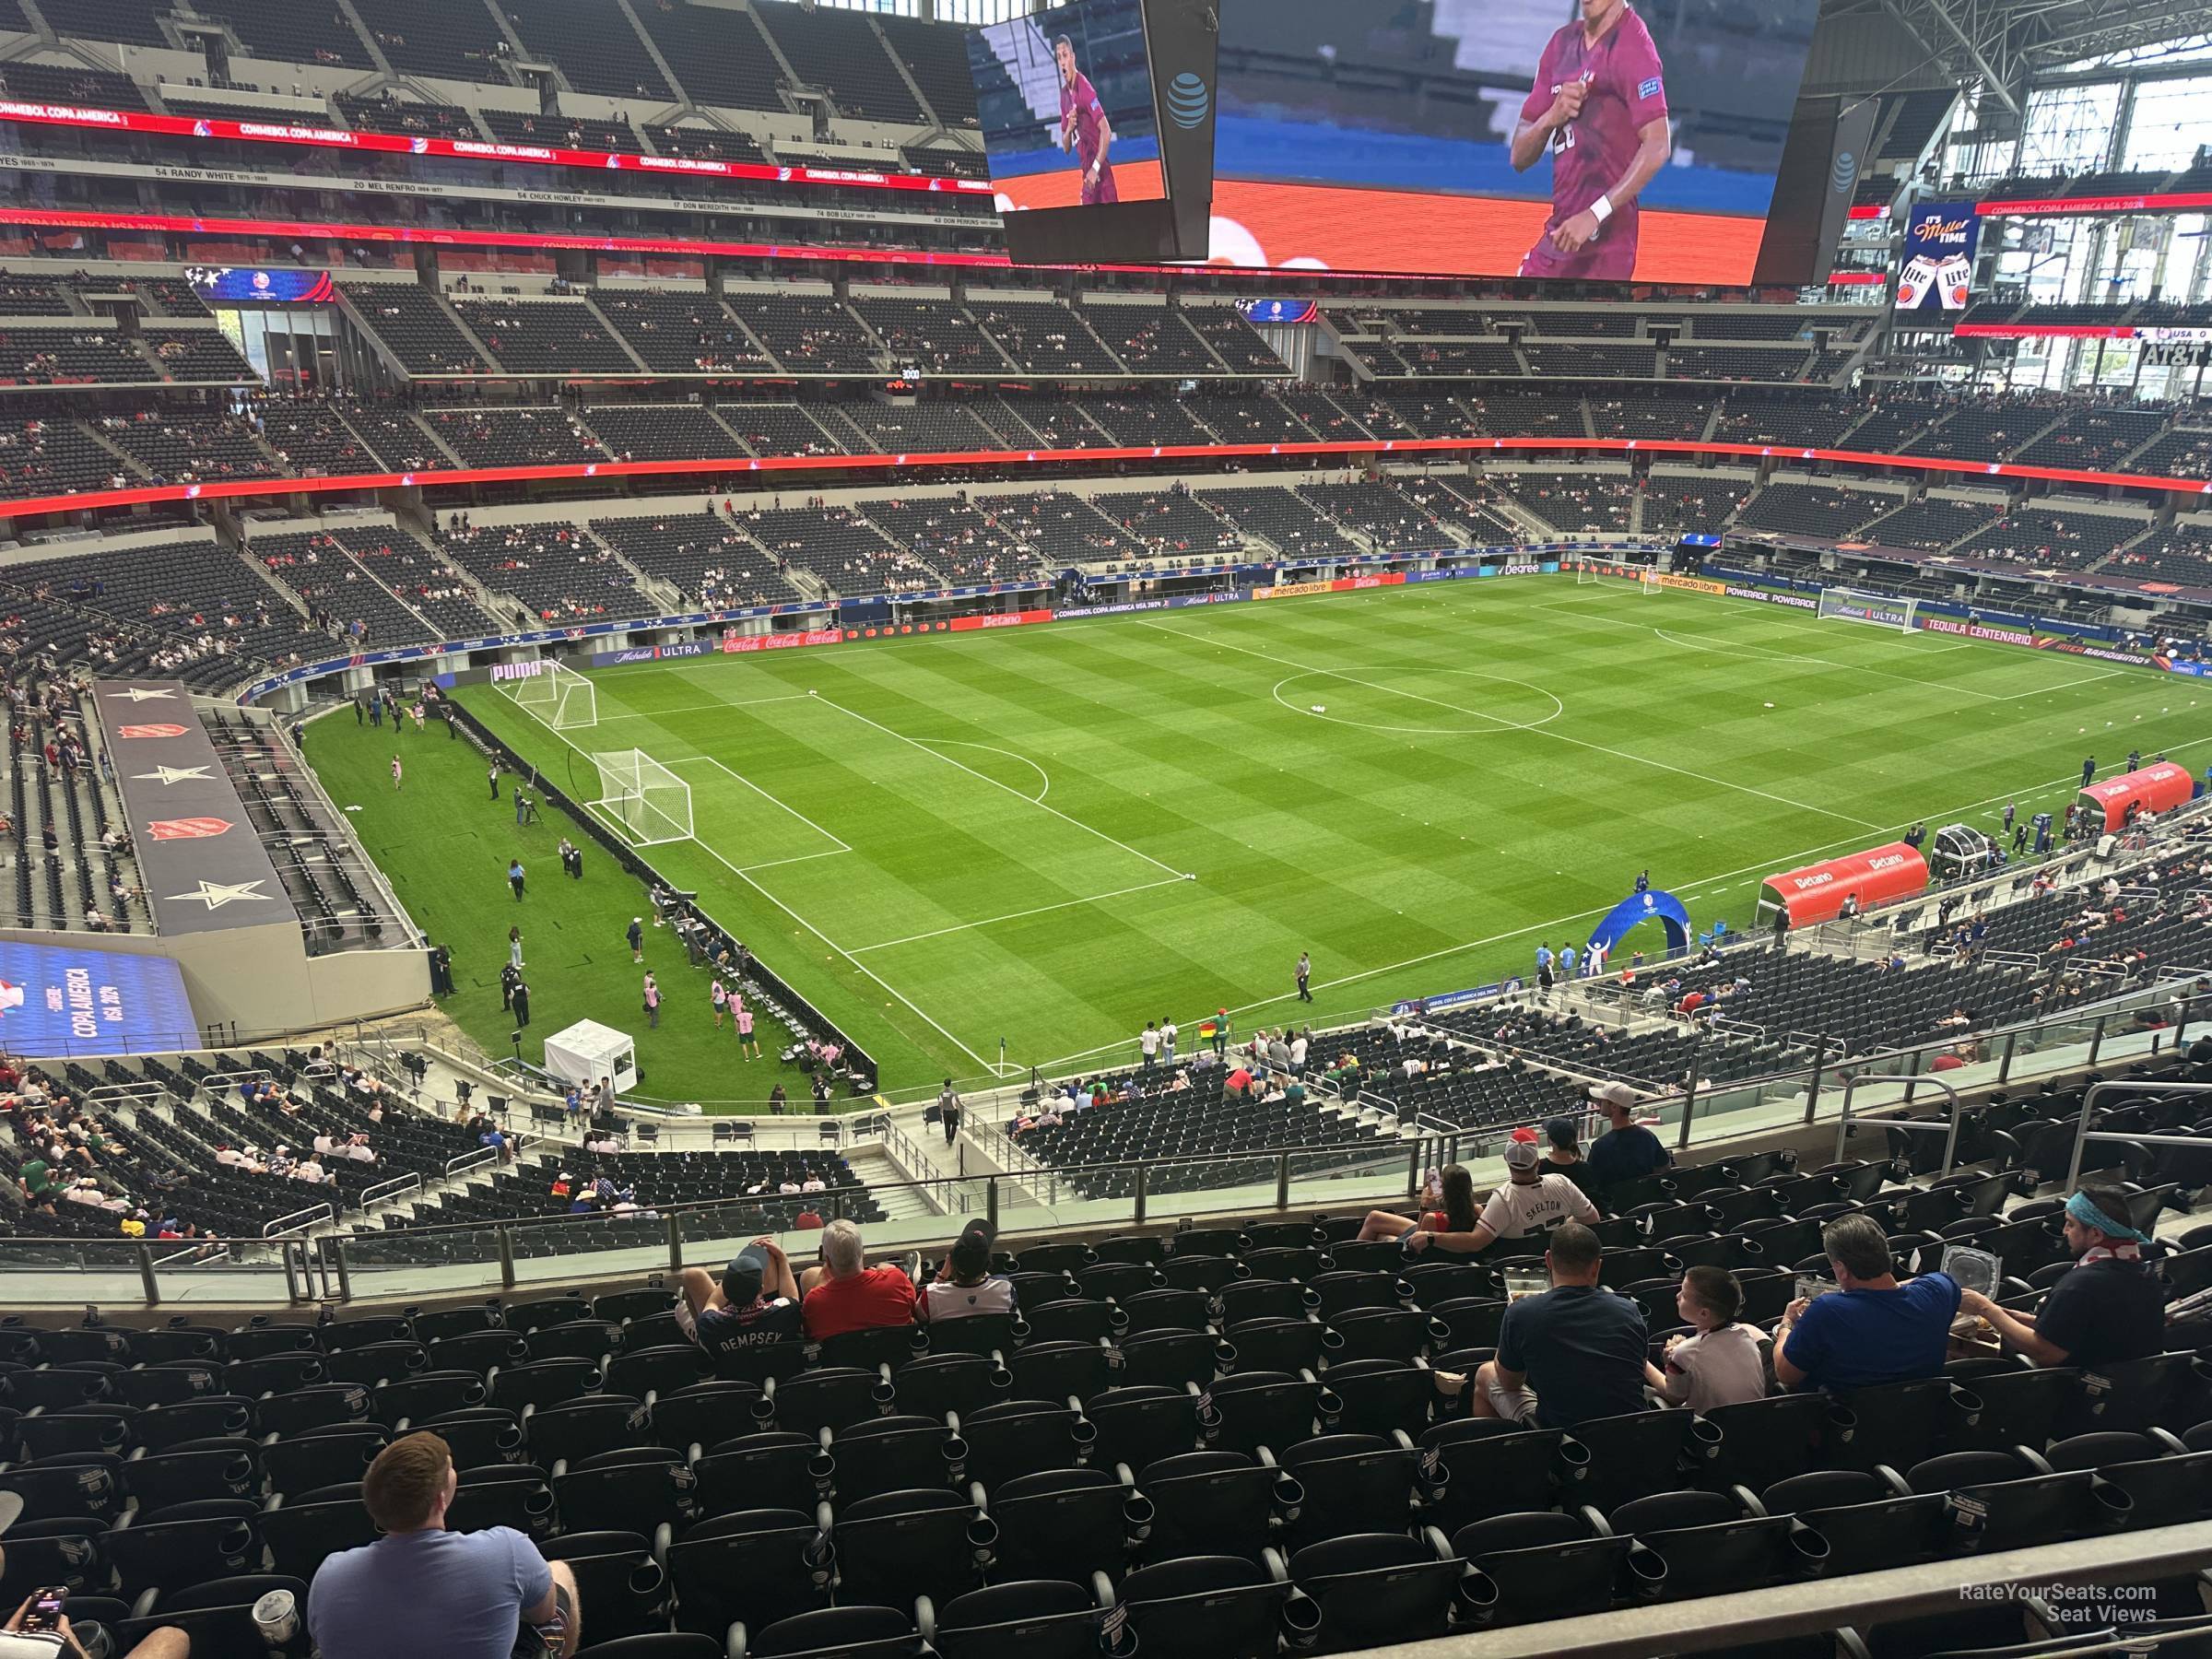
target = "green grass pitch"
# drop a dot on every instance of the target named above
(950, 840)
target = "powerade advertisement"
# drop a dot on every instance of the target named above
(1938, 256)
(84, 1001)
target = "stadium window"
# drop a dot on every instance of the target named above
(2069, 129)
(2167, 125)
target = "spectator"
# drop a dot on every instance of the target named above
(1870, 1329)
(965, 1284)
(1450, 1208)
(421, 1589)
(1529, 1202)
(2109, 1308)
(1720, 1364)
(1563, 1154)
(845, 1294)
(1628, 1151)
(61, 1642)
(1573, 1353)
(756, 1305)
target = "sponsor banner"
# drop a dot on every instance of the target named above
(1342, 584)
(1766, 596)
(2180, 201)
(517, 671)
(1976, 631)
(1691, 585)
(653, 653)
(1938, 256)
(78, 1000)
(1000, 619)
(476, 149)
(1449, 999)
(180, 805)
(746, 644)
(2133, 659)
(1125, 608)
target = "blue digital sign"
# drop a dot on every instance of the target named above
(57, 1001)
(241, 284)
(1279, 310)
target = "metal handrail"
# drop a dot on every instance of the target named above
(462, 1162)
(1924, 1126)
(392, 1188)
(298, 1220)
(2101, 1089)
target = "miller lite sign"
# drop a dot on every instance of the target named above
(1939, 254)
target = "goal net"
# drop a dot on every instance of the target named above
(649, 802)
(1880, 610)
(560, 696)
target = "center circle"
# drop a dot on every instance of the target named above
(1522, 708)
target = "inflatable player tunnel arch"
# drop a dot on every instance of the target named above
(1663, 907)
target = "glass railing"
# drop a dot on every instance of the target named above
(510, 1254)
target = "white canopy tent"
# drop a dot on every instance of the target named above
(588, 1051)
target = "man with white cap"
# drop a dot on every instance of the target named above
(1530, 1203)
(1628, 1151)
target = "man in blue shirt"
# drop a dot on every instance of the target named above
(1566, 962)
(1543, 957)
(420, 1589)
(1628, 1151)
(1574, 1353)
(1870, 1329)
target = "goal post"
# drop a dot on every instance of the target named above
(1877, 610)
(647, 802)
(557, 694)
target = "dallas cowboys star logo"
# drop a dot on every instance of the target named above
(166, 775)
(138, 694)
(215, 894)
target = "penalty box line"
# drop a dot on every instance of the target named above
(885, 986)
(1041, 909)
(775, 800)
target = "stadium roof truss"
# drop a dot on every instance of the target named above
(2004, 44)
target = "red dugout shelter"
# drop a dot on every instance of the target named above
(1816, 892)
(2155, 788)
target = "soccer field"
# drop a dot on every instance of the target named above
(948, 840)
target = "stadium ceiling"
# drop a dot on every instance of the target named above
(2004, 43)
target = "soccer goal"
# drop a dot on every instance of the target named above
(648, 801)
(560, 696)
(1880, 610)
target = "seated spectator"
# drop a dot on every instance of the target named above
(2109, 1308)
(806, 1221)
(1628, 1151)
(61, 1642)
(1449, 1206)
(1720, 1364)
(1573, 1353)
(965, 1284)
(1870, 1329)
(755, 1306)
(845, 1294)
(420, 1589)
(1564, 1154)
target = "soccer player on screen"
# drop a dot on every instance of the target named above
(1599, 106)
(1083, 125)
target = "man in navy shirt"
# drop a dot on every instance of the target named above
(2110, 1308)
(1574, 1353)
(1871, 1329)
(1628, 1151)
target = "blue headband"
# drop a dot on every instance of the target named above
(2083, 1208)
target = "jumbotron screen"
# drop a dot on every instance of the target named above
(1573, 141)
(1064, 97)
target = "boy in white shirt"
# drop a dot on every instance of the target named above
(1720, 1364)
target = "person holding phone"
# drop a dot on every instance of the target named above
(40, 1629)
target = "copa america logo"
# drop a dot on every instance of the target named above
(1188, 101)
